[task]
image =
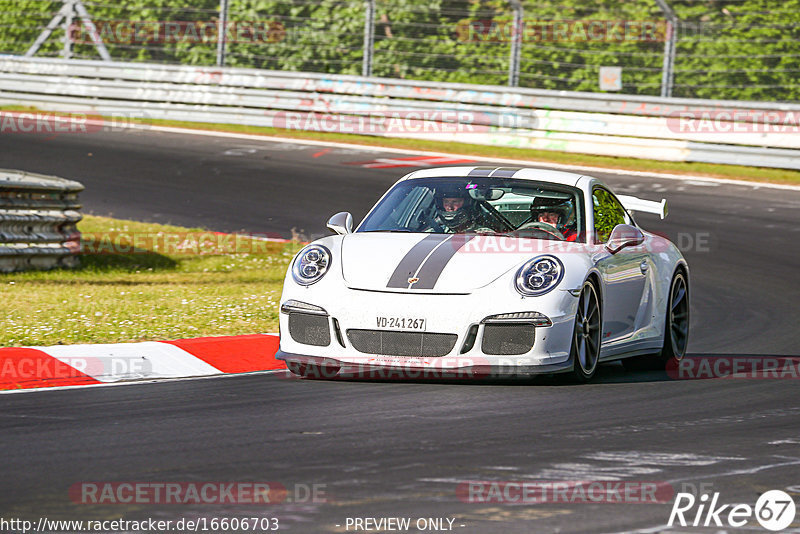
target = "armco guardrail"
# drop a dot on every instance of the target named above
(743, 133)
(38, 217)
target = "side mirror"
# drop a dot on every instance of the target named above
(341, 223)
(624, 235)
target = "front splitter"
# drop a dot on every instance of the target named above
(329, 368)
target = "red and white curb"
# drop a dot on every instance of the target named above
(84, 365)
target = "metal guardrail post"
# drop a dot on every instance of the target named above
(222, 32)
(668, 68)
(87, 22)
(673, 29)
(369, 37)
(52, 25)
(67, 13)
(516, 43)
(66, 51)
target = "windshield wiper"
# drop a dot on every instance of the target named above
(393, 230)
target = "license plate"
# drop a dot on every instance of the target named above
(401, 323)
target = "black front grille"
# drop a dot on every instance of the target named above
(310, 329)
(389, 343)
(508, 339)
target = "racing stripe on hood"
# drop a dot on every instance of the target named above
(481, 171)
(429, 273)
(495, 172)
(413, 259)
(505, 172)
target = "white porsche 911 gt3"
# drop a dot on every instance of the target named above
(483, 272)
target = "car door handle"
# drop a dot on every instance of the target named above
(644, 266)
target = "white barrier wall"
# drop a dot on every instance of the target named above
(743, 133)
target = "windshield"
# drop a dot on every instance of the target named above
(494, 206)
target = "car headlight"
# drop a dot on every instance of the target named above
(311, 264)
(539, 276)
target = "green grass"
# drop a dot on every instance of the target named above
(157, 293)
(734, 172)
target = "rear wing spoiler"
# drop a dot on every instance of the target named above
(646, 206)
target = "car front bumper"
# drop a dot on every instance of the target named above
(347, 309)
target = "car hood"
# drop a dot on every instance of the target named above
(433, 263)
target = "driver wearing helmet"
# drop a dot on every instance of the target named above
(455, 211)
(555, 213)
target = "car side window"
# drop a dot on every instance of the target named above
(608, 213)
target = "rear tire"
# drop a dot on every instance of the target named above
(586, 336)
(676, 331)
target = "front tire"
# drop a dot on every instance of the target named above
(676, 331)
(586, 336)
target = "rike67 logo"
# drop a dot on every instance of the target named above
(774, 510)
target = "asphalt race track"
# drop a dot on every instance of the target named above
(383, 449)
